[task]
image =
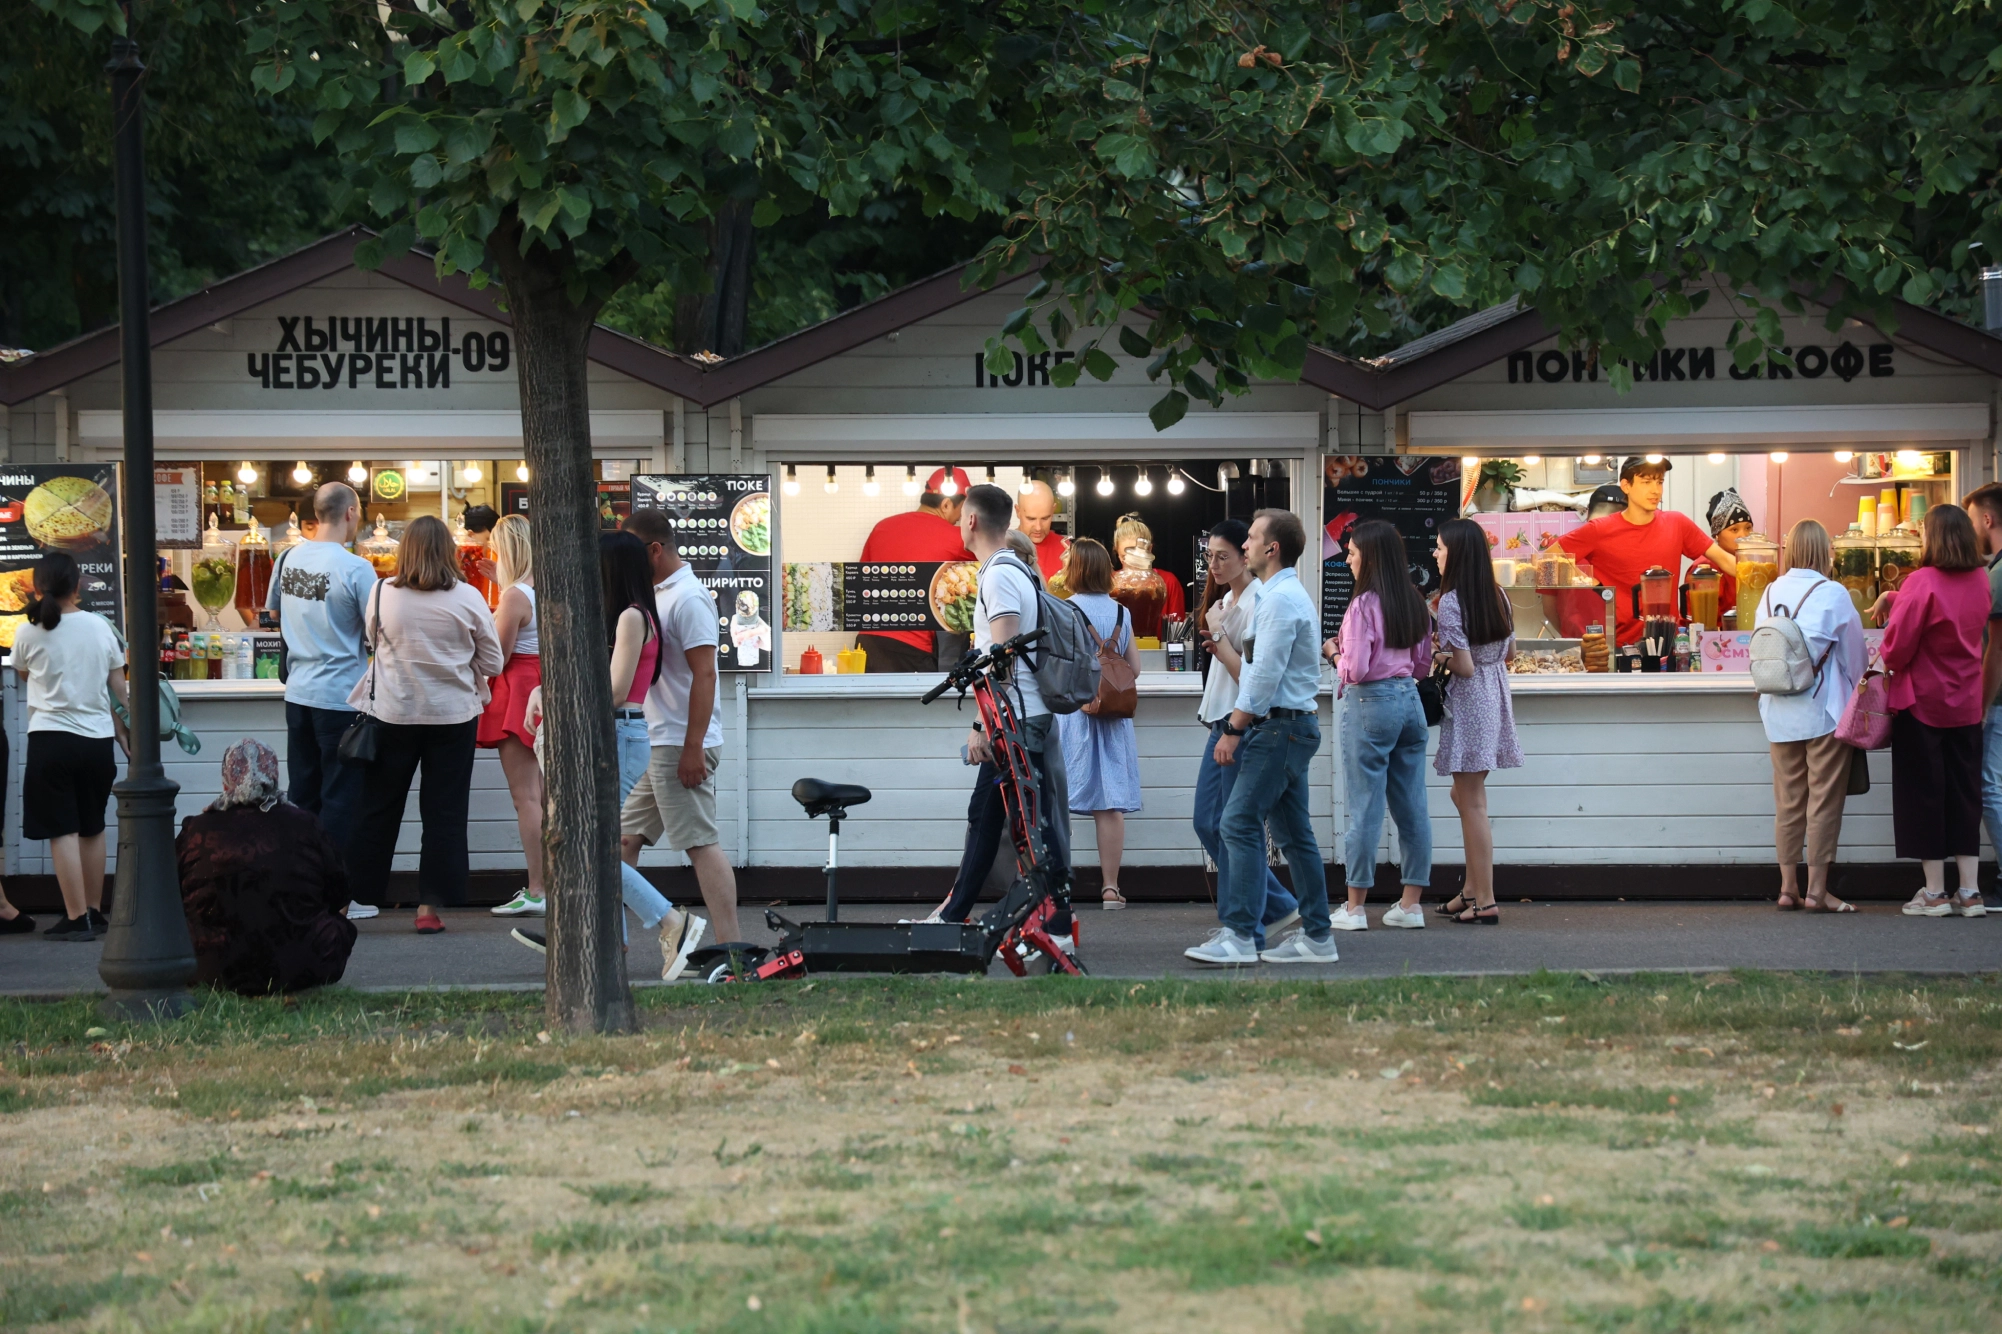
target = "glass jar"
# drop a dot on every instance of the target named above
(294, 535)
(1758, 566)
(473, 555)
(1856, 566)
(213, 579)
(1138, 588)
(1703, 593)
(379, 549)
(253, 573)
(1897, 556)
(1555, 569)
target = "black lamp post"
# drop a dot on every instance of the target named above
(148, 959)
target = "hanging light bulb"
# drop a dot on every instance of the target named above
(302, 474)
(910, 479)
(870, 486)
(1175, 483)
(1470, 461)
(357, 472)
(471, 472)
(1716, 458)
(1909, 458)
(1105, 481)
(521, 470)
(990, 474)
(791, 485)
(1843, 456)
(247, 473)
(1028, 482)
(1778, 456)
(1065, 486)
(1593, 460)
(1143, 485)
(832, 486)
(1531, 460)
(950, 486)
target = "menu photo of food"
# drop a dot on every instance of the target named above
(954, 588)
(58, 507)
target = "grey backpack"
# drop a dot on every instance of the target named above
(1782, 663)
(1065, 664)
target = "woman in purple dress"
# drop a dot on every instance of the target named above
(1476, 640)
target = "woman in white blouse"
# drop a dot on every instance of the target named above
(1810, 764)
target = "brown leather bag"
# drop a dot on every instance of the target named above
(1118, 684)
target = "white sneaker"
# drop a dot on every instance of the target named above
(1411, 919)
(1224, 949)
(1302, 948)
(521, 905)
(680, 933)
(1969, 904)
(1346, 919)
(1272, 929)
(1927, 905)
(361, 912)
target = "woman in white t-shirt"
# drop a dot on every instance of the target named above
(73, 666)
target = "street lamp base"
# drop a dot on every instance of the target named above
(144, 1007)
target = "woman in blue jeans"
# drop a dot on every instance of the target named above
(1229, 597)
(1385, 645)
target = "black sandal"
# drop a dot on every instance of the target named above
(1475, 915)
(1460, 898)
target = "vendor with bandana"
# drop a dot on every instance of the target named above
(1626, 544)
(1729, 520)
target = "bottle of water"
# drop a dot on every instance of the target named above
(246, 658)
(228, 657)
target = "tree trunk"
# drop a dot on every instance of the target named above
(718, 320)
(588, 990)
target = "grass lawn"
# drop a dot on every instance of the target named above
(1556, 1152)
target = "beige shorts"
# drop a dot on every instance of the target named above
(659, 805)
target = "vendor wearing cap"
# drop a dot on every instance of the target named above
(1729, 519)
(928, 533)
(1624, 546)
(1035, 512)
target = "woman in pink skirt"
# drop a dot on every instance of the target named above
(504, 724)
(1476, 640)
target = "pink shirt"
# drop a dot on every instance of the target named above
(1364, 655)
(1933, 645)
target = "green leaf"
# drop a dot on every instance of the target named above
(1450, 281)
(525, 9)
(1064, 374)
(569, 108)
(1060, 327)
(414, 134)
(1169, 409)
(1627, 75)
(1099, 364)
(1134, 342)
(766, 212)
(417, 67)
(1018, 320)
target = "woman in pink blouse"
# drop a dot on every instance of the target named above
(1932, 648)
(1384, 646)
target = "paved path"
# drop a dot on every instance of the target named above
(1147, 941)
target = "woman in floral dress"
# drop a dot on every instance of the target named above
(1476, 640)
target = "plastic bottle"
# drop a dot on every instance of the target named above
(246, 658)
(1682, 651)
(215, 657)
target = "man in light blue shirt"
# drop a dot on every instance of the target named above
(1273, 735)
(319, 590)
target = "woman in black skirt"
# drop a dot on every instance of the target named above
(73, 666)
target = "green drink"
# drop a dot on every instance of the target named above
(214, 584)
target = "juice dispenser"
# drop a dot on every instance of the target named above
(1897, 556)
(253, 573)
(1856, 566)
(379, 549)
(213, 579)
(1758, 565)
(1703, 593)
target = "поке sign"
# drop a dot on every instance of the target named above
(723, 528)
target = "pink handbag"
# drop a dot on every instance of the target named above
(1866, 721)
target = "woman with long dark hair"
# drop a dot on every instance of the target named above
(1230, 597)
(74, 666)
(1384, 646)
(1476, 640)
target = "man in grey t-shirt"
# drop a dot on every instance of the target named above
(319, 590)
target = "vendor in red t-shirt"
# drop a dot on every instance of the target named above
(928, 533)
(1035, 511)
(1624, 546)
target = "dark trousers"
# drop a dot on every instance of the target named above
(987, 822)
(445, 753)
(884, 654)
(1935, 789)
(322, 782)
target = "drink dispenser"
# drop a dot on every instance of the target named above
(1703, 593)
(1758, 566)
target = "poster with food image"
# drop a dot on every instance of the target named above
(723, 528)
(910, 595)
(813, 596)
(58, 507)
(1414, 493)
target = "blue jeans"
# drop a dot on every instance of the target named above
(1271, 764)
(635, 890)
(1383, 749)
(322, 782)
(1991, 775)
(1214, 784)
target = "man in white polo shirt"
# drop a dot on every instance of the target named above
(676, 797)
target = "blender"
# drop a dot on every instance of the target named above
(1655, 608)
(1703, 596)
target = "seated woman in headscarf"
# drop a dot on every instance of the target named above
(1729, 519)
(262, 884)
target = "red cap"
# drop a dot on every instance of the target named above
(936, 482)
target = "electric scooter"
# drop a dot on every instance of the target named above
(1016, 928)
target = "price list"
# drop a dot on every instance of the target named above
(722, 525)
(888, 597)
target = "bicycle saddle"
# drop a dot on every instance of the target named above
(819, 798)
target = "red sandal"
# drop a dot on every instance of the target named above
(428, 924)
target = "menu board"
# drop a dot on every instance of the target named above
(1413, 492)
(177, 506)
(924, 595)
(724, 526)
(58, 507)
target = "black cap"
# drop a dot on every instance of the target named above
(1639, 463)
(1608, 497)
(479, 518)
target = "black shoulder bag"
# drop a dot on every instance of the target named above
(359, 742)
(1432, 686)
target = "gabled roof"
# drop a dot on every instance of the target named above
(1378, 382)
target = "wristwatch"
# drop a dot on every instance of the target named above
(1228, 730)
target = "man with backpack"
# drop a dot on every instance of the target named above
(1010, 604)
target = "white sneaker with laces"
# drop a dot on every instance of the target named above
(361, 912)
(1968, 904)
(1224, 949)
(1302, 948)
(680, 933)
(1928, 905)
(521, 905)
(1411, 919)
(1346, 919)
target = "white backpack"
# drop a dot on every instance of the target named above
(1782, 664)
